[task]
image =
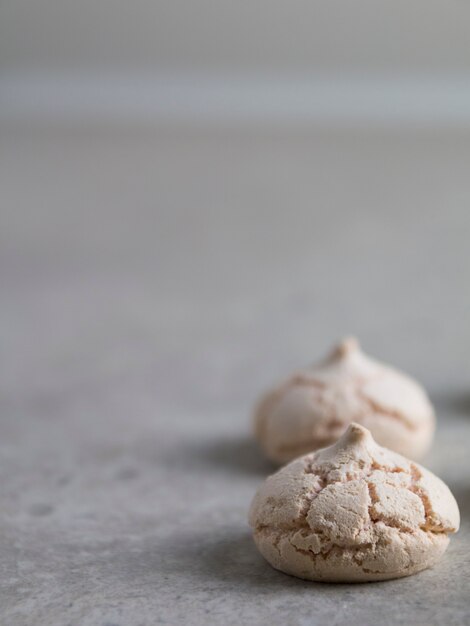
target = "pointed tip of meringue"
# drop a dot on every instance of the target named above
(347, 346)
(354, 434)
(356, 442)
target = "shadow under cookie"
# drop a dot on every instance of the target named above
(234, 454)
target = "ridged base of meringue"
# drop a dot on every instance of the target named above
(395, 555)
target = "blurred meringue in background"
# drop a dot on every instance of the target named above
(314, 406)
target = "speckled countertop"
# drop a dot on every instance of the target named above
(153, 283)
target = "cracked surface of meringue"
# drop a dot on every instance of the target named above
(353, 512)
(313, 408)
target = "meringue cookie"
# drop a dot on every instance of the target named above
(312, 408)
(353, 512)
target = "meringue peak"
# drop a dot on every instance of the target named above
(354, 444)
(354, 435)
(347, 346)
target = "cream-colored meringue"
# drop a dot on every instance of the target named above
(313, 407)
(353, 512)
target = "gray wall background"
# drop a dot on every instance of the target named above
(362, 62)
(341, 36)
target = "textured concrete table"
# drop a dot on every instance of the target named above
(153, 282)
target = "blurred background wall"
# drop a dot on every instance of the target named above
(362, 62)
(219, 190)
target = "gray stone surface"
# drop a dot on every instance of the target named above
(153, 283)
